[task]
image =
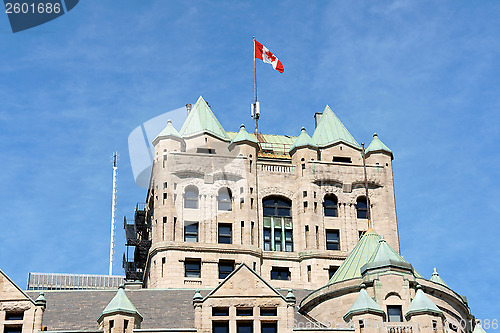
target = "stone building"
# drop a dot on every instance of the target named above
(257, 233)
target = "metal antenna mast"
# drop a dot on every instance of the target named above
(113, 209)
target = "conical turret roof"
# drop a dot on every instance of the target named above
(168, 131)
(363, 304)
(330, 130)
(436, 278)
(120, 304)
(422, 304)
(359, 256)
(202, 120)
(377, 145)
(303, 140)
(243, 136)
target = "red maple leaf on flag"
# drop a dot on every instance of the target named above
(270, 56)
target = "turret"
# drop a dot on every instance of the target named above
(303, 149)
(120, 315)
(378, 153)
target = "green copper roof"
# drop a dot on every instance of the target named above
(202, 120)
(303, 140)
(363, 304)
(436, 278)
(120, 303)
(421, 304)
(377, 145)
(330, 130)
(385, 252)
(168, 131)
(359, 256)
(478, 328)
(243, 135)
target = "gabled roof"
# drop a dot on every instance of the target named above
(330, 130)
(436, 278)
(421, 304)
(12, 290)
(243, 136)
(377, 145)
(363, 304)
(120, 303)
(303, 140)
(202, 120)
(243, 267)
(359, 256)
(168, 131)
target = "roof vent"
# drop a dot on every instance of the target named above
(317, 118)
(188, 108)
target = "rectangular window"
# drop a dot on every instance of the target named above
(252, 232)
(267, 239)
(225, 233)
(220, 327)
(244, 311)
(304, 194)
(205, 150)
(341, 159)
(280, 273)
(244, 326)
(13, 329)
(308, 273)
(190, 231)
(331, 271)
(268, 312)
(225, 268)
(278, 234)
(394, 313)
(164, 196)
(125, 325)
(269, 327)
(17, 315)
(165, 185)
(192, 268)
(332, 240)
(218, 312)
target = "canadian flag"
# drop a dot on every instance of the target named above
(263, 53)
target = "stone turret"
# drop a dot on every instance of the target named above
(120, 315)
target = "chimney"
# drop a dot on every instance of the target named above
(188, 108)
(317, 118)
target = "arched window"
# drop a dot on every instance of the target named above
(330, 205)
(278, 227)
(224, 201)
(361, 208)
(191, 197)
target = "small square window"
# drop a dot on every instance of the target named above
(220, 312)
(192, 268)
(244, 311)
(394, 313)
(269, 327)
(220, 327)
(191, 231)
(331, 271)
(225, 233)
(225, 268)
(244, 326)
(280, 273)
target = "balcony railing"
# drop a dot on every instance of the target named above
(277, 168)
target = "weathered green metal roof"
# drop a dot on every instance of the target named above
(243, 135)
(202, 120)
(330, 130)
(168, 131)
(303, 140)
(272, 145)
(421, 304)
(359, 256)
(363, 304)
(120, 303)
(436, 278)
(385, 252)
(478, 328)
(377, 145)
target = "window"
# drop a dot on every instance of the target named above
(225, 233)
(191, 197)
(331, 271)
(341, 159)
(268, 312)
(220, 311)
(220, 327)
(361, 208)
(125, 325)
(244, 312)
(13, 329)
(225, 268)
(205, 150)
(278, 228)
(224, 199)
(192, 268)
(18, 315)
(394, 313)
(190, 231)
(269, 327)
(280, 273)
(330, 205)
(244, 327)
(360, 234)
(332, 240)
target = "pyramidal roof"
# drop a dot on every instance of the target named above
(243, 135)
(202, 120)
(421, 304)
(436, 278)
(377, 145)
(168, 131)
(359, 256)
(303, 140)
(120, 303)
(330, 130)
(363, 304)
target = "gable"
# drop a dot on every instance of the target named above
(10, 291)
(243, 282)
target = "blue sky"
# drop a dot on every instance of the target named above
(422, 74)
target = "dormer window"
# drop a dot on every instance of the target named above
(394, 313)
